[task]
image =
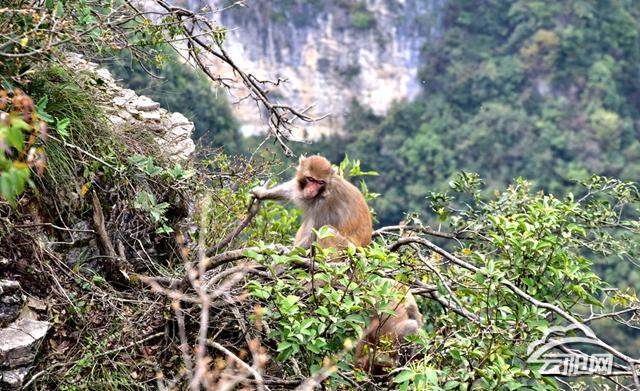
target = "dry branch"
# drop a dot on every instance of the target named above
(254, 207)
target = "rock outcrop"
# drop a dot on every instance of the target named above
(19, 340)
(126, 110)
(330, 52)
(21, 333)
(11, 300)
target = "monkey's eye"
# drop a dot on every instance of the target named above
(321, 183)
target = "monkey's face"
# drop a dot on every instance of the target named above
(314, 172)
(312, 187)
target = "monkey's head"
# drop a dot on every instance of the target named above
(313, 175)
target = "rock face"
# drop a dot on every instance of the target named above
(330, 51)
(19, 341)
(11, 300)
(126, 110)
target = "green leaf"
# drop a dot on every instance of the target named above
(512, 385)
(42, 103)
(289, 303)
(61, 127)
(404, 375)
(432, 375)
(13, 182)
(451, 384)
(59, 10)
(15, 137)
(40, 106)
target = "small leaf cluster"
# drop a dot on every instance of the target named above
(21, 126)
(146, 200)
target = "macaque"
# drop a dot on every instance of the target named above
(371, 354)
(326, 199)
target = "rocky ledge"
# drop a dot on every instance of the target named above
(127, 110)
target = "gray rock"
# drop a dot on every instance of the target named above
(120, 101)
(105, 75)
(177, 119)
(19, 342)
(13, 379)
(144, 103)
(126, 110)
(116, 120)
(84, 255)
(150, 115)
(11, 300)
(81, 233)
(128, 94)
(177, 143)
(131, 108)
(124, 114)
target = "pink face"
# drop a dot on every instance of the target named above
(312, 188)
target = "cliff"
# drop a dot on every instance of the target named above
(330, 52)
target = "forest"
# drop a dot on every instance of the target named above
(138, 249)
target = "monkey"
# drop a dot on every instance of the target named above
(326, 199)
(370, 355)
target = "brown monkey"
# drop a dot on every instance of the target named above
(326, 199)
(370, 355)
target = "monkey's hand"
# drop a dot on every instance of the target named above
(259, 192)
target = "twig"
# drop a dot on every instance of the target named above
(252, 210)
(256, 375)
(207, 264)
(417, 228)
(110, 257)
(98, 223)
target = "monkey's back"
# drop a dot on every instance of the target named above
(345, 209)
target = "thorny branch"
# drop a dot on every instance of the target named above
(523, 295)
(254, 207)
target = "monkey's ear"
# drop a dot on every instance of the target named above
(300, 160)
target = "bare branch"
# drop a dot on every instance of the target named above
(256, 375)
(254, 207)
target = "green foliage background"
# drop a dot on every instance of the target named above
(546, 90)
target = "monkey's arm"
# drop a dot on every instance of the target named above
(284, 191)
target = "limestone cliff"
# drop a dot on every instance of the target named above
(329, 51)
